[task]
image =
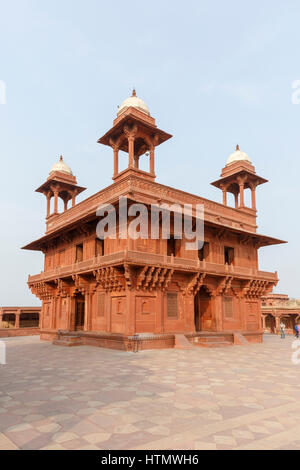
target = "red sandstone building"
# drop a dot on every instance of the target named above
(19, 321)
(279, 308)
(104, 292)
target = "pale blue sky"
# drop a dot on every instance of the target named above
(213, 73)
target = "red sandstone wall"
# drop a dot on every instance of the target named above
(10, 332)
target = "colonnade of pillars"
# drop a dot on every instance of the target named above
(5, 319)
(240, 193)
(277, 320)
(133, 160)
(55, 193)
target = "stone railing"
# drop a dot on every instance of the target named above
(141, 258)
(214, 211)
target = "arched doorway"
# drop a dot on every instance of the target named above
(202, 309)
(270, 323)
(79, 312)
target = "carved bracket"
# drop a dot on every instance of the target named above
(195, 284)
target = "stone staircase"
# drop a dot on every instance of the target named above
(181, 342)
(212, 341)
(67, 340)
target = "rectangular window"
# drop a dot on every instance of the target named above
(99, 247)
(228, 308)
(204, 252)
(79, 253)
(172, 305)
(228, 255)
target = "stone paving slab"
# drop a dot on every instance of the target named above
(244, 397)
(6, 444)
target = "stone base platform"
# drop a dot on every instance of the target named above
(110, 340)
(10, 332)
(145, 341)
(208, 339)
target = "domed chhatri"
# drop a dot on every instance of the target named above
(62, 167)
(135, 102)
(237, 156)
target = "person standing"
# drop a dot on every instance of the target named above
(282, 330)
(297, 330)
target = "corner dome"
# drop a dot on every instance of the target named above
(62, 167)
(135, 102)
(237, 156)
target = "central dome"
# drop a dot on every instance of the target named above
(135, 102)
(237, 156)
(62, 167)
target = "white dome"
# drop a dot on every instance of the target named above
(135, 102)
(62, 167)
(237, 156)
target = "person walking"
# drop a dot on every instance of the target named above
(297, 330)
(282, 330)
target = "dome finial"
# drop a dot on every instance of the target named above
(238, 156)
(61, 166)
(133, 102)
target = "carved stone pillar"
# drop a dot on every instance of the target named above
(224, 197)
(86, 312)
(17, 321)
(236, 200)
(74, 194)
(152, 161)
(224, 191)
(277, 320)
(116, 161)
(72, 308)
(131, 150)
(242, 203)
(55, 201)
(253, 196)
(48, 203)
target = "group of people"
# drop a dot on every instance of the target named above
(282, 330)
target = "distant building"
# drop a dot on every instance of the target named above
(19, 321)
(103, 292)
(279, 308)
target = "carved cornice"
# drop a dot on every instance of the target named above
(110, 279)
(43, 290)
(255, 288)
(154, 277)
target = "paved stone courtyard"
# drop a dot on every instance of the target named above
(241, 397)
